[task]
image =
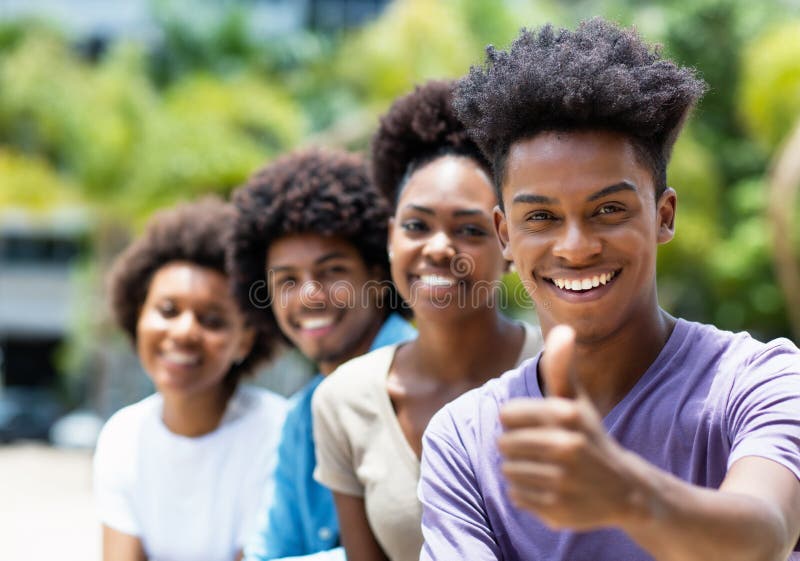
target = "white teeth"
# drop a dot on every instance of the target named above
(182, 358)
(436, 280)
(315, 323)
(584, 284)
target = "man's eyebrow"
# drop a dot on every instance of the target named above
(318, 261)
(617, 187)
(530, 198)
(330, 256)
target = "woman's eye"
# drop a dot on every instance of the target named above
(471, 230)
(609, 209)
(213, 321)
(167, 309)
(414, 226)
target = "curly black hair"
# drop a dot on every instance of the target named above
(600, 76)
(315, 190)
(192, 232)
(419, 127)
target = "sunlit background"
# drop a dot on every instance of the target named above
(110, 110)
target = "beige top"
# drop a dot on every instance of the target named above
(362, 451)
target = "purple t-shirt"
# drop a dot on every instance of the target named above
(710, 398)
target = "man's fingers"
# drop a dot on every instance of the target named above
(525, 412)
(556, 362)
(536, 475)
(543, 444)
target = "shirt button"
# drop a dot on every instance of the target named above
(324, 533)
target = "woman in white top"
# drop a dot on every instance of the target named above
(446, 262)
(179, 475)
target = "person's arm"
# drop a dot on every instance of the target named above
(357, 537)
(336, 470)
(113, 489)
(454, 520)
(563, 467)
(118, 546)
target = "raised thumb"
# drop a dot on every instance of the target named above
(556, 363)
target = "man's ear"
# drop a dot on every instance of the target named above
(666, 208)
(501, 229)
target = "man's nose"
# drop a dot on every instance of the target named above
(313, 294)
(577, 244)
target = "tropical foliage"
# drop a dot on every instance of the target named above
(139, 125)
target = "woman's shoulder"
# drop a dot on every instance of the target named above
(358, 377)
(132, 417)
(532, 343)
(118, 440)
(253, 405)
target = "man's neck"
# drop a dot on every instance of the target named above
(609, 369)
(327, 367)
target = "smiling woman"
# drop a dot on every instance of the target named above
(446, 263)
(179, 474)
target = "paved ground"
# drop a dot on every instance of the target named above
(46, 510)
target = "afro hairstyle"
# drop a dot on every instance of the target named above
(599, 77)
(419, 127)
(190, 232)
(317, 191)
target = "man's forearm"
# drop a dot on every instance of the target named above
(683, 522)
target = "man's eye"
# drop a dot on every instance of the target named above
(539, 215)
(336, 270)
(283, 282)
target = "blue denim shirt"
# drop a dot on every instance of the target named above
(300, 519)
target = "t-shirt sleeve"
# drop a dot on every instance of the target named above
(454, 520)
(335, 464)
(278, 526)
(763, 407)
(261, 474)
(112, 478)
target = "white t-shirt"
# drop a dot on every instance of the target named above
(188, 499)
(362, 450)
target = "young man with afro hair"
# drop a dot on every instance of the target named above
(308, 263)
(634, 435)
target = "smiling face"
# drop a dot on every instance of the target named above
(445, 256)
(190, 331)
(582, 226)
(325, 299)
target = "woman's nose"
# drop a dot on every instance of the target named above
(439, 247)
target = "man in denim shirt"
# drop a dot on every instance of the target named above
(308, 260)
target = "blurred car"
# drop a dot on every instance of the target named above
(27, 412)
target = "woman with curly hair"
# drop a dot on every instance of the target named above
(179, 474)
(308, 261)
(446, 263)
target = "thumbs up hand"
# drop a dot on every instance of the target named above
(556, 363)
(560, 463)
